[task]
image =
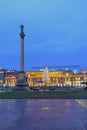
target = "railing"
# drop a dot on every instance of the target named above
(5, 90)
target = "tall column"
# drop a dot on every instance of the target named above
(22, 35)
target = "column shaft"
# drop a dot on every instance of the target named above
(22, 54)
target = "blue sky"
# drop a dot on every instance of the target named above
(56, 32)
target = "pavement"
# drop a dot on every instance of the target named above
(43, 114)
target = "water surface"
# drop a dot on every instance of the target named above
(43, 114)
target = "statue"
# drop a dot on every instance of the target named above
(22, 27)
(22, 35)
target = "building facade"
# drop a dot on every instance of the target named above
(2, 77)
(10, 78)
(45, 78)
(56, 78)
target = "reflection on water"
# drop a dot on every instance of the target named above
(43, 114)
(82, 102)
(68, 103)
(45, 108)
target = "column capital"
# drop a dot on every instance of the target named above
(22, 35)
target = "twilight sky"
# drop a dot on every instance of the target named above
(56, 32)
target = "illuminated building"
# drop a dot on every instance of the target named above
(10, 78)
(56, 78)
(45, 77)
(2, 75)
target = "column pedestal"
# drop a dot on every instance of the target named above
(21, 79)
